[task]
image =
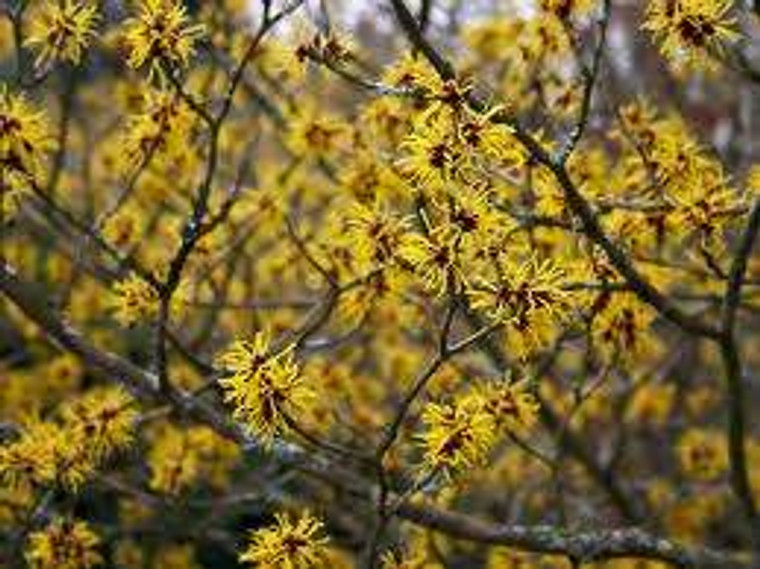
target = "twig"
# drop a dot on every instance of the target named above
(740, 482)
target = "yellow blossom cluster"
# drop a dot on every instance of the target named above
(67, 449)
(62, 30)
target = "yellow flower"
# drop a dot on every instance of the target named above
(369, 180)
(685, 189)
(522, 293)
(690, 518)
(6, 36)
(690, 31)
(385, 121)
(68, 449)
(180, 457)
(434, 258)
(620, 328)
(63, 373)
(160, 34)
(513, 407)
(753, 181)
(64, 544)
(317, 134)
(266, 389)
(373, 232)
(433, 156)
(501, 557)
(278, 59)
(31, 458)
(446, 103)
(136, 300)
(25, 138)
(288, 544)
(124, 229)
(481, 137)
(491, 38)
(651, 403)
(103, 419)
(565, 9)
(62, 30)
(174, 462)
(702, 454)
(412, 71)
(459, 434)
(378, 293)
(127, 554)
(527, 297)
(160, 131)
(416, 558)
(175, 556)
(541, 39)
(705, 204)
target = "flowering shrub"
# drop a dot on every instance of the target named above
(290, 284)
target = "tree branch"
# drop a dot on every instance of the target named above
(582, 547)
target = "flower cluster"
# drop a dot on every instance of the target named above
(528, 298)
(180, 458)
(295, 543)
(161, 34)
(690, 32)
(25, 140)
(265, 388)
(461, 433)
(68, 448)
(64, 544)
(159, 132)
(61, 31)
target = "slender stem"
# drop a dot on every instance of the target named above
(736, 427)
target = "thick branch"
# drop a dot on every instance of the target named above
(582, 547)
(33, 301)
